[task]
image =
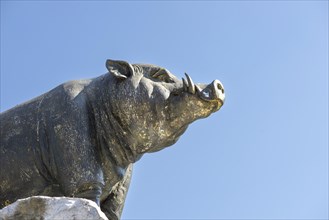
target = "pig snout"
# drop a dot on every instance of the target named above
(212, 92)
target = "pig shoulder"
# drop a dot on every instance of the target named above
(73, 88)
(65, 122)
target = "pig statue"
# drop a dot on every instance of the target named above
(81, 138)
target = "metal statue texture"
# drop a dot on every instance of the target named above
(81, 138)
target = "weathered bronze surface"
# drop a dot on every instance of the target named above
(81, 138)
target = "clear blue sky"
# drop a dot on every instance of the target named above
(263, 156)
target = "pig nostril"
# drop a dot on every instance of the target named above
(220, 87)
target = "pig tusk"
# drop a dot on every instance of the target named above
(198, 89)
(191, 87)
(185, 86)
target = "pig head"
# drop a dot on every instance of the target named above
(157, 106)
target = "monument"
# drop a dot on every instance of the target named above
(81, 138)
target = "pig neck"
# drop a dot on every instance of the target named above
(111, 137)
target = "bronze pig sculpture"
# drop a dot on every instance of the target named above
(81, 138)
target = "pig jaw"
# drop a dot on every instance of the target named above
(174, 113)
(195, 101)
(182, 107)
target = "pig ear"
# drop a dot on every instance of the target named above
(119, 69)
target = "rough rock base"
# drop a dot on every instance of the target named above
(49, 208)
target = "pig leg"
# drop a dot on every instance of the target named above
(91, 191)
(77, 166)
(82, 181)
(113, 205)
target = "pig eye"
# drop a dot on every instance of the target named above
(163, 76)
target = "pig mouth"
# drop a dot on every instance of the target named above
(205, 94)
